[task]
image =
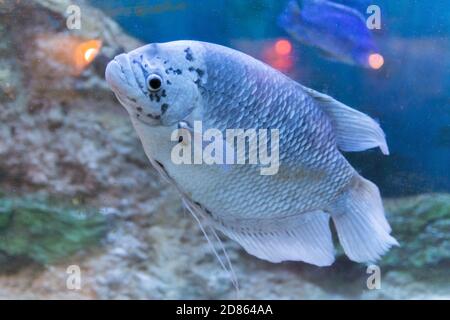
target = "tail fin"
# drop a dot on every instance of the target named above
(362, 228)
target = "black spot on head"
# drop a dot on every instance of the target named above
(164, 108)
(200, 72)
(163, 93)
(157, 117)
(139, 109)
(176, 71)
(191, 69)
(189, 55)
(132, 99)
(168, 82)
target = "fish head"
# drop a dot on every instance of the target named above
(154, 83)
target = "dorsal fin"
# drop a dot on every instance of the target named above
(355, 131)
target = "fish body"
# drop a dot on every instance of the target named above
(277, 217)
(340, 32)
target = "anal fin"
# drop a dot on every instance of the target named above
(303, 237)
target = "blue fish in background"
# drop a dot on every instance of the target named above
(360, 5)
(340, 32)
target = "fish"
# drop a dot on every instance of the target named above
(276, 217)
(339, 32)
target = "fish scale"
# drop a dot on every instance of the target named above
(271, 93)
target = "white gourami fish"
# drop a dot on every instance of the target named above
(277, 217)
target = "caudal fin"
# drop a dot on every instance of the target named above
(362, 228)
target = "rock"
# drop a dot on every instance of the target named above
(422, 226)
(44, 231)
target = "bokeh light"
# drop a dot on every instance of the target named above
(376, 61)
(86, 52)
(283, 47)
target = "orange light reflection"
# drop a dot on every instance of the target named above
(283, 47)
(376, 61)
(86, 52)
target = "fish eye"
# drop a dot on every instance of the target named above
(154, 82)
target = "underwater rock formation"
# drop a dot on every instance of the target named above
(422, 225)
(44, 231)
(64, 135)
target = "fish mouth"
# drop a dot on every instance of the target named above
(115, 75)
